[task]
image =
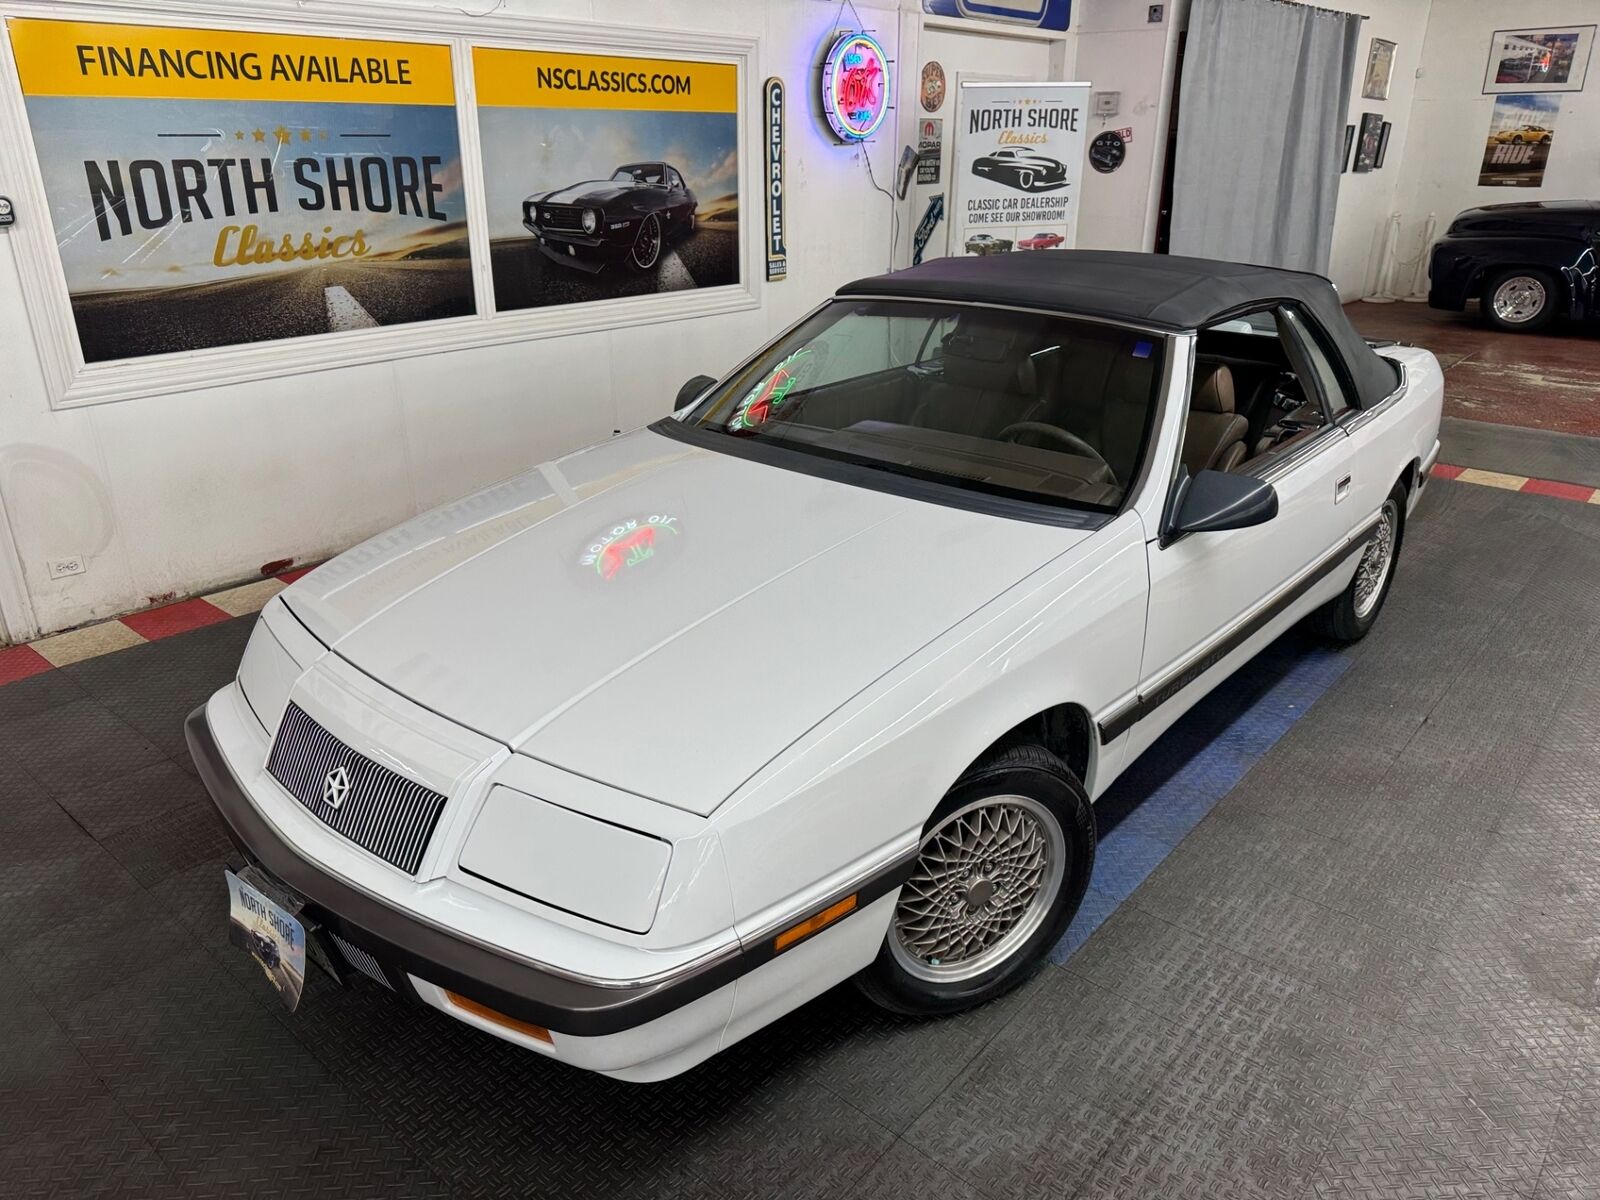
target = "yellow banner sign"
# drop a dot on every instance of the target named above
(549, 79)
(72, 58)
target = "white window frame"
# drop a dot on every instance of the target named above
(73, 383)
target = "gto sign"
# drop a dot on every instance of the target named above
(855, 86)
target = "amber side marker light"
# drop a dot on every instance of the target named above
(537, 1032)
(809, 926)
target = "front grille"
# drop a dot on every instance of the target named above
(361, 961)
(561, 216)
(377, 809)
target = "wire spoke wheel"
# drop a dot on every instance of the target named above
(986, 879)
(1519, 299)
(1373, 570)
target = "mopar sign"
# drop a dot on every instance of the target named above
(777, 256)
(1042, 14)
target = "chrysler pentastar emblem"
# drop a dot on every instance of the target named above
(335, 787)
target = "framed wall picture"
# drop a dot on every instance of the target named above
(1367, 142)
(1383, 145)
(1380, 66)
(1538, 60)
(1349, 141)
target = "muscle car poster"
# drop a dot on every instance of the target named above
(607, 176)
(1018, 166)
(1518, 146)
(211, 187)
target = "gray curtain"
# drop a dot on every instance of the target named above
(1266, 86)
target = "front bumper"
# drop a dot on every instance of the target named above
(576, 250)
(399, 940)
(637, 1029)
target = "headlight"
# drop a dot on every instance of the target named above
(567, 860)
(591, 220)
(277, 655)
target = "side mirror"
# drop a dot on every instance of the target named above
(692, 391)
(1215, 500)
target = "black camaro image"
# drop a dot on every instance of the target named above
(1023, 169)
(265, 949)
(627, 218)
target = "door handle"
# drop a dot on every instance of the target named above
(1341, 490)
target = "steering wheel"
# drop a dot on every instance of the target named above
(1073, 442)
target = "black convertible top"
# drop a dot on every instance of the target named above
(1157, 290)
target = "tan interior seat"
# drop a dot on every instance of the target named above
(990, 381)
(1214, 437)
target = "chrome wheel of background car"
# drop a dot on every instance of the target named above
(647, 243)
(1376, 561)
(986, 878)
(1518, 299)
(1025, 180)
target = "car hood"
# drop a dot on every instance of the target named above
(593, 191)
(659, 617)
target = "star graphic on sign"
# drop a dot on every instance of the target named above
(260, 135)
(238, 135)
(282, 134)
(324, 135)
(305, 135)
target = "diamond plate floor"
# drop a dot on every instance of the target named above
(1369, 971)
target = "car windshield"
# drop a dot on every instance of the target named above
(1023, 405)
(638, 173)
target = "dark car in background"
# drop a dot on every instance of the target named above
(1025, 170)
(628, 218)
(1526, 264)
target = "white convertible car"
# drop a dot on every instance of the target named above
(627, 756)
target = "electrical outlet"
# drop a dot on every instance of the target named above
(60, 568)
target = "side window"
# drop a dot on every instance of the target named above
(674, 180)
(1258, 390)
(1314, 345)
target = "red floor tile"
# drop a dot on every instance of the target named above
(19, 662)
(291, 576)
(1445, 471)
(174, 618)
(1562, 491)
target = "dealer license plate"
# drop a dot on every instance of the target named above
(270, 934)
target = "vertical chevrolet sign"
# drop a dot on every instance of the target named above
(777, 256)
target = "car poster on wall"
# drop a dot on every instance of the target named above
(1518, 146)
(1018, 166)
(607, 176)
(213, 187)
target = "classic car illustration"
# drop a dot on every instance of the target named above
(264, 949)
(1043, 240)
(849, 718)
(1525, 264)
(628, 218)
(1023, 169)
(987, 243)
(1522, 135)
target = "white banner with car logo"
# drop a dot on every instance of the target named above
(1018, 166)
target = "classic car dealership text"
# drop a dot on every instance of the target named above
(598, 594)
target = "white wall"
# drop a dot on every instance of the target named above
(1120, 50)
(1450, 116)
(169, 495)
(1367, 199)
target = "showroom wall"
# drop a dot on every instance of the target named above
(1451, 116)
(1367, 199)
(169, 493)
(1120, 49)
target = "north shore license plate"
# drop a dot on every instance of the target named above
(270, 934)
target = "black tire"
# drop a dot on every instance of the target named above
(1511, 284)
(1027, 773)
(648, 244)
(1346, 618)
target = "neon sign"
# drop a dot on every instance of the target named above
(855, 86)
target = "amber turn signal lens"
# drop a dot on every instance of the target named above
(809, 926)
(537, 1032)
